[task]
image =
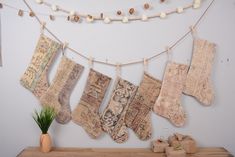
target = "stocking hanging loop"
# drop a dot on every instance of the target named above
(42, 27)
(145, 62)
(91, 62)
(118, 69)
(64, 46)
(193, 31)
(168, 52)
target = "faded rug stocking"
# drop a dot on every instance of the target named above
(86, 114)
(198, 83)
(113, 117)
(168, 103)
(58, 94)
(139, 111)
(35, 77)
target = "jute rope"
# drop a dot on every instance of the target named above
(127, 63)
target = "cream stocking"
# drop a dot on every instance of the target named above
(198, 83)
(168, 103)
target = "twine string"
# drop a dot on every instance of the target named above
(42, 27)
(193, 31)
(169, 55)
(127, 63)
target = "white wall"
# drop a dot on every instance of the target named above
(210, 126)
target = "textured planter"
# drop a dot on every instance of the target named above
(45, 143)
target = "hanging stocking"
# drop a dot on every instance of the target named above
(86, 113)
(59, 92)
(198, 83)
(113, 118)
(35, 77)
(139, 111)
(168, 103)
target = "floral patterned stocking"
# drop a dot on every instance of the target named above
(113, 117)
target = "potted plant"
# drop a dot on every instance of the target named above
(44, 118)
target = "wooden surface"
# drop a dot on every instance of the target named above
(116, 152)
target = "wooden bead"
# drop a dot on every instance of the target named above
(20, 12)
(101, 15)
(31, 14)
(146, 6)
(52, 18)
(89, 18)
(162, 1)
(119, 12)
(76, 18)
(131, 11)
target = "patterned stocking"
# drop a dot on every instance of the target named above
(139, 111)
(198, 83)
(86, 113)
(58, 93)
(113, 118)
(168, 103)
(35, 77)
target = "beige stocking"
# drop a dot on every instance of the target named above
(86, 113)
(139, 111)
(113, 117)
(198, 83)
(58, 93)
(168, 103)
(35, 77)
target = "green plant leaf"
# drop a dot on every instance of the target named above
(44, 118)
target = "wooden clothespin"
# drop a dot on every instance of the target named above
(145, 62)
(64, 46)
(91, 62)
(42, 27)
(193, 31)
(118, 69)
